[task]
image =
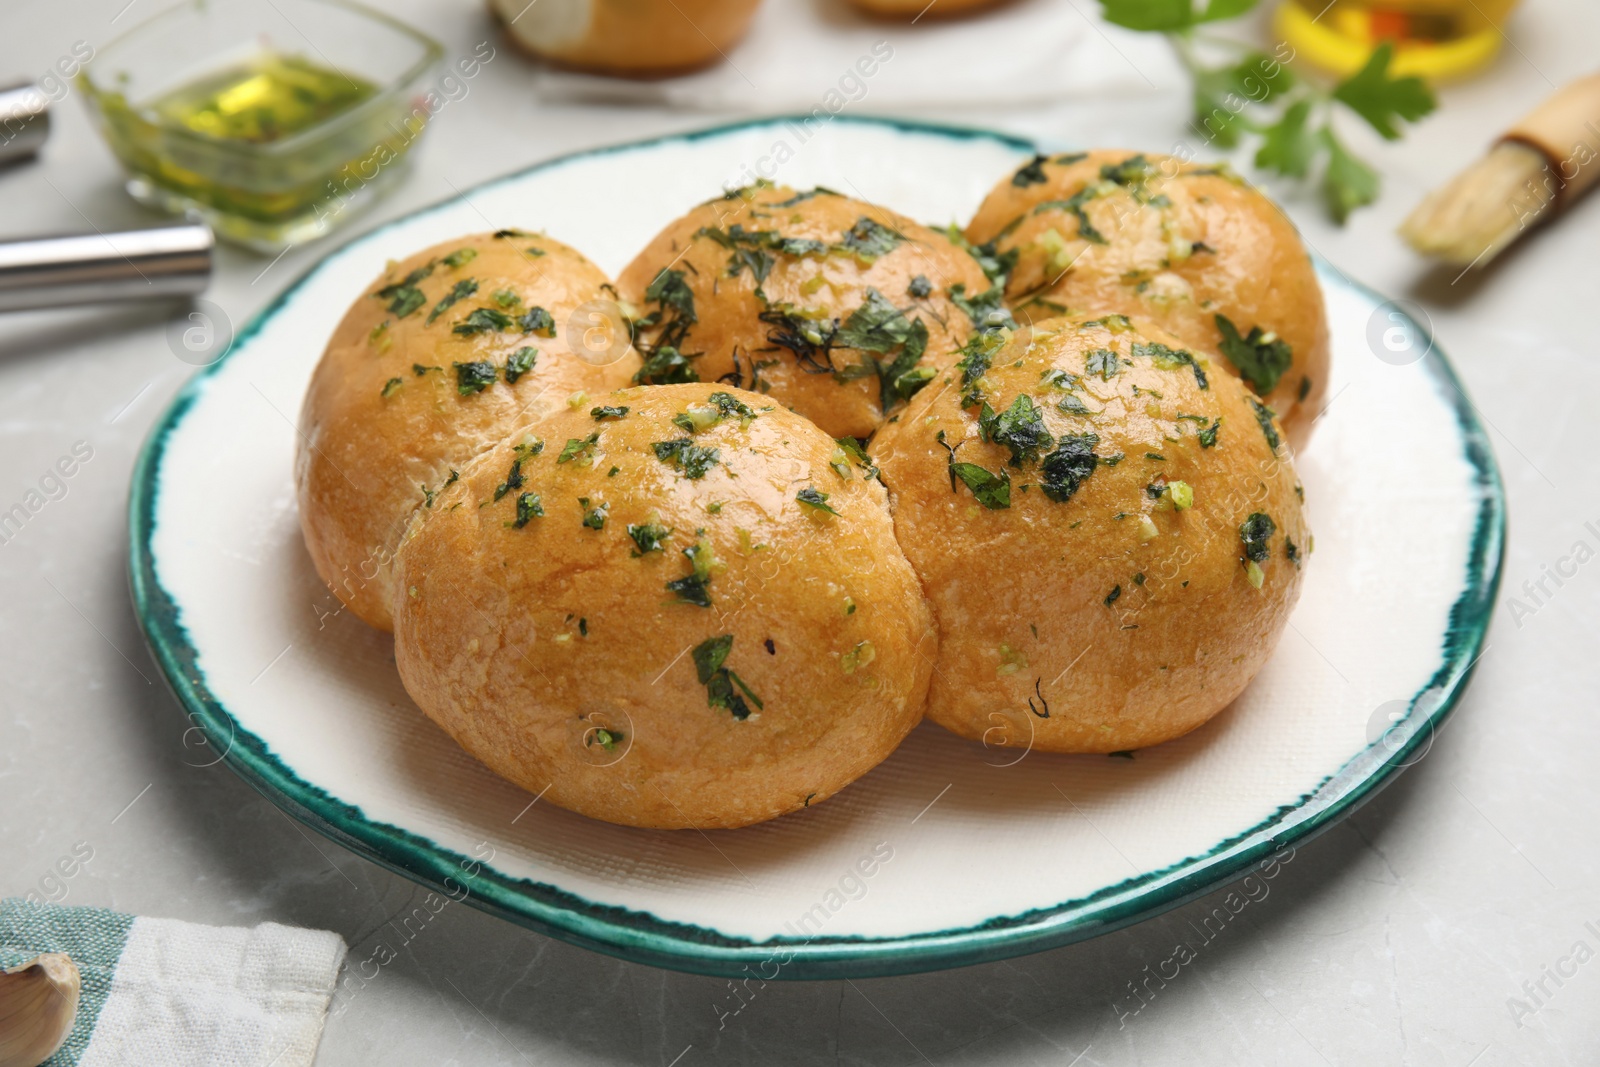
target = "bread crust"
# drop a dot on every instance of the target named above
(377, 437)
(523, 641)
(1183, 243)
(1098, 615)
(831, 383)
(636, 38)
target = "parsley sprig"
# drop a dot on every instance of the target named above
(1253, 92)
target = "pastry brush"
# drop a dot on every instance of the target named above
(1541, 164)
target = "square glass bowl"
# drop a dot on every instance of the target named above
(274, 121)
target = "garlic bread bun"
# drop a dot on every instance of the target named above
(682, 607)
(923, 10)
(1193, 248)
(437, 360)
(1109, 531)
(638, 38)
(836, 308)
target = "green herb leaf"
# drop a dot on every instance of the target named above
(460, 256)
(987, 309)
(578, 448)
(482, 320)
(1347, 183)
(815, 499)
(390, 386)
(1173, 358)
(648, 536)
(406, 300)
(607, 413)
(1020, 428)
(594, 518)
(1254, 533)
(1069, 466)
(1104, 362)
(1261, 357)
(537, 320)
(528, 507)
(519, 363)
(920, 288)
(474, 377)
(464, 288)
(1031, 173)
(1208, 434)
(993, 491)
(686, 456)
(1264, 416)
(869, 239)
(1371, 93)
(1288, 146)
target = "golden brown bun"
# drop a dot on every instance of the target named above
(1218, 247)
(635, 38)
(923, 10)
(829, 284)
(376, 437)
(1109, 618)
(524, 642)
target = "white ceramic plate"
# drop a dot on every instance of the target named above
(973, 855)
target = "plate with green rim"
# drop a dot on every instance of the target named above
(947, 854)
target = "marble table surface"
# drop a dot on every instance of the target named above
(1439, 925)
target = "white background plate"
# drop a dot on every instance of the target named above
(988, 855)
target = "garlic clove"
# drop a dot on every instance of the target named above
(38, 1002)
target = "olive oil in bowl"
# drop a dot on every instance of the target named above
(271, 146)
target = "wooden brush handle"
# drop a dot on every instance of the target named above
(1566, 130)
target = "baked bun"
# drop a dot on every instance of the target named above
(437, 360)
(813, 298)
(638, 38)
(682, 608)
(1192, 248)
(1109, 530)
(923, 10)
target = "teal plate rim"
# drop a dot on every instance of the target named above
(641, 937)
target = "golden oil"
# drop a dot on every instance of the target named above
(1434, 39)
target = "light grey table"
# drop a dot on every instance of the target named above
(1399, 937)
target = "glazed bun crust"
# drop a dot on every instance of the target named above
(1182, 244)
(1094, 614)
(524, 642)
(821, 276)
(376, 437)
(633, 38)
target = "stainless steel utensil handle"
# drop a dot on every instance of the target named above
(24, 121)
(89, 268)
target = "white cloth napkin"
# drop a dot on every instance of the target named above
(163, 993)
(800, 51)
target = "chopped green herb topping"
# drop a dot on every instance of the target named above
(648, 536)
(977, 355)
(1069, 466)
(987, 309)
(605, 738)
(815, 499)
(868, 239)
(1254, 533)
(1111, 597)
(723, 687)
(482, 320)
(578, 448)
(1208, 434)
(537, 320)
(691, 589)
(1305, 389)
(920, 288)
(1264, 416)
(528, 507)
(1104, 362)
(390, 386)
(992, 490)
(1020, 428)
(1031, 173)
(1261, 357)
(505, 298)
(460, 257)
(406, 300)
(1291, 551)
(996, 265)
(519, 363)
(1073, 205)
(664, 362)
(474, 377)
(594, 517)
(607, 412)
(464, 288)
(686, 456)
(1171, 359)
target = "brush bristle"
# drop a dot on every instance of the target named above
(1484, 208)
